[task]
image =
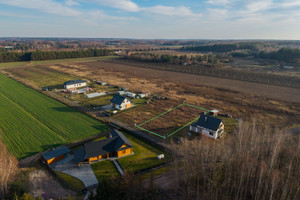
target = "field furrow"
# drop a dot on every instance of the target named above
(31, 122)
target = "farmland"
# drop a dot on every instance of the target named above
(33, 122)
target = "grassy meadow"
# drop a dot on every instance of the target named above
(55, 61)
(32, 122)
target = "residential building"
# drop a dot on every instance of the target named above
(74, 84)
(209, 126)
(115, 145)
(120, 102)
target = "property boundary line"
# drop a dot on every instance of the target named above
(165, 137)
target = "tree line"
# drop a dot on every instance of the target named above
(173, 59)
(222, 47)
(50, 55)
(284, 54)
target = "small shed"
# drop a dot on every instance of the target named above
(101, 83)
(143, 95)
(130, 94)
(214, 112)
(121, 92)
(55, 155)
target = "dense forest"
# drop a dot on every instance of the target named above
(285, 54)
(173, 59)
(222, 47)
(50, 55)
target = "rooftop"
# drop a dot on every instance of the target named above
(74, 82)
(208, 122)
(56, 152)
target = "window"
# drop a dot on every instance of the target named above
(124, 151)
(211, 133)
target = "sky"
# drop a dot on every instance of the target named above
(151, 19)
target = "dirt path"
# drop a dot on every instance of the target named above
(270, 91)
(41, 183)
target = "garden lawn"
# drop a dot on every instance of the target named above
(71, 181)
(32, 122)
(104, 170)
(144, 157)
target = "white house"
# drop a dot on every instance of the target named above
(74, 84)
(130, 94)
(209, 126)
(120, 102)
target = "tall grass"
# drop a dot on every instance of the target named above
(255, 163)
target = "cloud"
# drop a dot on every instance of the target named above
(288, 3)
(126, 5)
(218, 2)
(97, 15)
(181, 11)
(71, 3)
(47, 6)
(259, 5)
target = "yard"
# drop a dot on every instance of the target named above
(144, 157)
(104, 170)
(71, 181)
(32, 122)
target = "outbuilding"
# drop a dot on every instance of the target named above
(130, 94)
(55, 155)
(74, 84)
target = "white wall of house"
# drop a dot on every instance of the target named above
(75, 85)
(124, 104)
(207, 132)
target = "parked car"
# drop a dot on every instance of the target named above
(107, 114)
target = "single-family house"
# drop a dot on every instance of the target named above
(209, 126)
(115, 145)
(74, 84)
(130, 94)
(55, 155)
(120, 102)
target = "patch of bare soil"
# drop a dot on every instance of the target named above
(41, 182)
(265, 103)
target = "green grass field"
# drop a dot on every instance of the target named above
(21, 64)
(32, 122)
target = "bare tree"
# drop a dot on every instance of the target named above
(8, 168)
(254, 163)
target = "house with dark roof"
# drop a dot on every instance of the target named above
(115, 145)
(55, 155)
(209, 126)
(120, 102)
(74, 84)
